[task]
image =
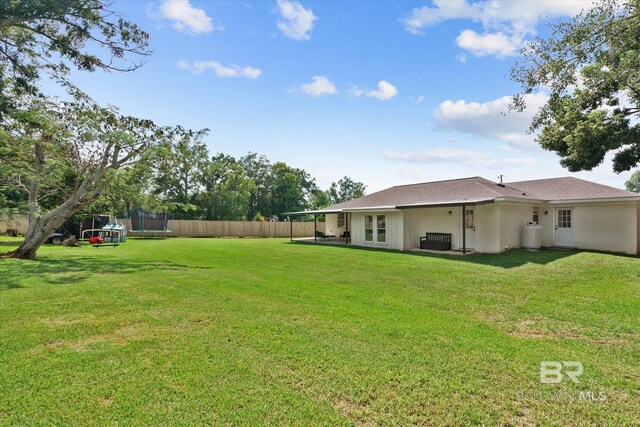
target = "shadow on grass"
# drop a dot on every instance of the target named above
(12, 244)
(62, 271)
(510, 259)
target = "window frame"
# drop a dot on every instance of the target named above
(383, 229)
(373, 231)
(564, 218)
(368, 229)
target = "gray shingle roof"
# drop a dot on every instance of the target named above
(570, 188)
(477, 190)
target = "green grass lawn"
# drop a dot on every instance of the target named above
(249, 331)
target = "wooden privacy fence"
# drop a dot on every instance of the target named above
(197, 228)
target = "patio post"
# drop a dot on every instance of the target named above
(290, 228)
(347, 220)
(315, 227)
(464, 230)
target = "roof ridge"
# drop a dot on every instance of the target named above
(444, 190)
(434, 182)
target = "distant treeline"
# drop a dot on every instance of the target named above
(186, 181)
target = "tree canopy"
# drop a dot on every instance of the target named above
(53, 36)
(58, 156)
(633, 184)
(345, 189)
(590, 68)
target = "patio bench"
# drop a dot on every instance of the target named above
(322, 236)
(436, 241)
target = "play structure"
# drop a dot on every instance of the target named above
(150, 225)
(110, 234)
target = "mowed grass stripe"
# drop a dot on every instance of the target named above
(245, 331)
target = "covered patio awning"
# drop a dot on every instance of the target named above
(448, 203)
(464, 203)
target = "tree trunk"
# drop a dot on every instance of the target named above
(29, 247)
(39, 230)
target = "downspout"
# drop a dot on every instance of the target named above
(464, 230)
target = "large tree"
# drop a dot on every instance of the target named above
(71, 149)
(62, 155)
(179, 166)
(228, 189)
(257, 167)
(46, 38)
(345, 189)
(290, 189)
(590, 68)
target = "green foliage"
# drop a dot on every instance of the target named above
(319, 199)
(257, 167)
(633, 184)
(290, 189)
(590, 66)
(52, 36)
(344, 190)
(178, 169)
(227, 189)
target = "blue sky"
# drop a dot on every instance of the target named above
(385, 92)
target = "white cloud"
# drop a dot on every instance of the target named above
(443, 10)
(491, 119)
(496, 44)
(320, 85)
(297, 22)
(419, 99)
(506, 24)
(478, 159)
(355, 91)
(183, 65)
(220, 70)
(186, 18)
(384, 92)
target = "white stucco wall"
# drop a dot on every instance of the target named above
(394, 223)
(597, 226)
(607, 227)
(419, 221)
(487, 223)
(513, 217)
(331, 225)
(437, 220)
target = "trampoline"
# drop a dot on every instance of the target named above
(150, 225)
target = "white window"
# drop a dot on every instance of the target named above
(375, 226)
(382, 228)
(564, 218)
(468, 219)
(340, 220)
(368, 228)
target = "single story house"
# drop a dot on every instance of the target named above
(484, 216)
